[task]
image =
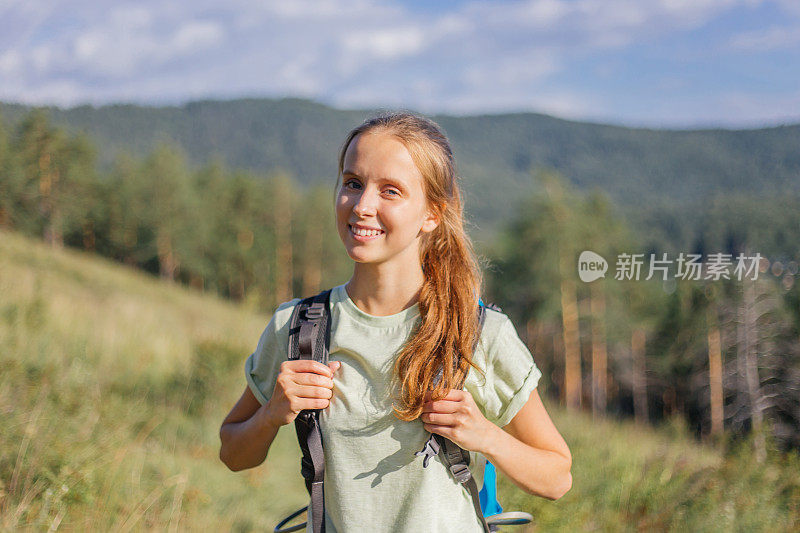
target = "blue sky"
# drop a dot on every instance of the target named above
(661, 63)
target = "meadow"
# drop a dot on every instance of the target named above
(113, 385)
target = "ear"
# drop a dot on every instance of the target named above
(431, 222)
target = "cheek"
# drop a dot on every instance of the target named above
(412, 216)
(403, 222)
(342, 208)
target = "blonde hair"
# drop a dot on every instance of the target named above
(449, 329)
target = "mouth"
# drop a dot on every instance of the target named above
(364, 235)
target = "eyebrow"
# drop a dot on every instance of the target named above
(399, 183)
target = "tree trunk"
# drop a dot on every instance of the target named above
(715, 373)
(283, 240)
(569, 307)
(748, 361)
(48, 189)
(167, 259)
(558, 377)
(312, 265)
(88, 236)
(52, 232)
(639, 377)
(599, 353)
(572, 347)
(198, 282)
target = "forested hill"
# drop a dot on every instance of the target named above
(494, 152)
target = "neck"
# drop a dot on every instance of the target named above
(385, 289)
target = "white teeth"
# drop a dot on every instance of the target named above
(365, 232)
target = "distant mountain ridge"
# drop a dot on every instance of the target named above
(494, 152)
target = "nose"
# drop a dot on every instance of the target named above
(366, 204)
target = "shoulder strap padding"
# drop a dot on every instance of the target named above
(309, 328)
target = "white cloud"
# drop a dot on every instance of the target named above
(545, 12)
(10, 63)
(512, 70)
(388, 43)
(197, 35)
(586, 25)
(482, 55)
(562, 103)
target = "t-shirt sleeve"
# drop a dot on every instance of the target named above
(264, 364)
(511, 375)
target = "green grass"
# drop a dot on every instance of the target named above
(112, 389)
(113, 385)
(629, 478)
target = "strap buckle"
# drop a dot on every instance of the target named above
(314, 311)
(430, 450)
(461, 472)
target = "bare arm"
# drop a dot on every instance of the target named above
(246, 433)
(531, 452)
(249, 429)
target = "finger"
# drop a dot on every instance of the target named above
(454, 395)
(444, 431)
(451, 394)
(315, 380)
(305, 391)
(301, 404)
(307, 365)
(441, 406)
(335, 365)
(439, 419)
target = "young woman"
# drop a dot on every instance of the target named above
(407, 314)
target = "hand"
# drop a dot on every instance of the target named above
(457, 418)
(301, 384)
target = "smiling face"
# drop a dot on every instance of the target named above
(382, 196)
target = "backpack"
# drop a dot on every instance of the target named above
(309, 338)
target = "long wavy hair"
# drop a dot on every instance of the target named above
(449, 297)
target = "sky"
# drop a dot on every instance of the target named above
(656, 63)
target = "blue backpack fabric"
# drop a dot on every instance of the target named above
(488, 494)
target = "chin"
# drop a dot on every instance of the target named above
(362, 258)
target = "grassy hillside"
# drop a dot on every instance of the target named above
(112, 388)
(113, 385)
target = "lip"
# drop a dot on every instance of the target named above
(362, 238)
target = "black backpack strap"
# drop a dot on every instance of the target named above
(454, 457)
(309, 338)
(457, 460)
(309, 328)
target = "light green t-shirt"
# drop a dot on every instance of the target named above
(373, 480)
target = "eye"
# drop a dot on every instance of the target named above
(355, 184)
